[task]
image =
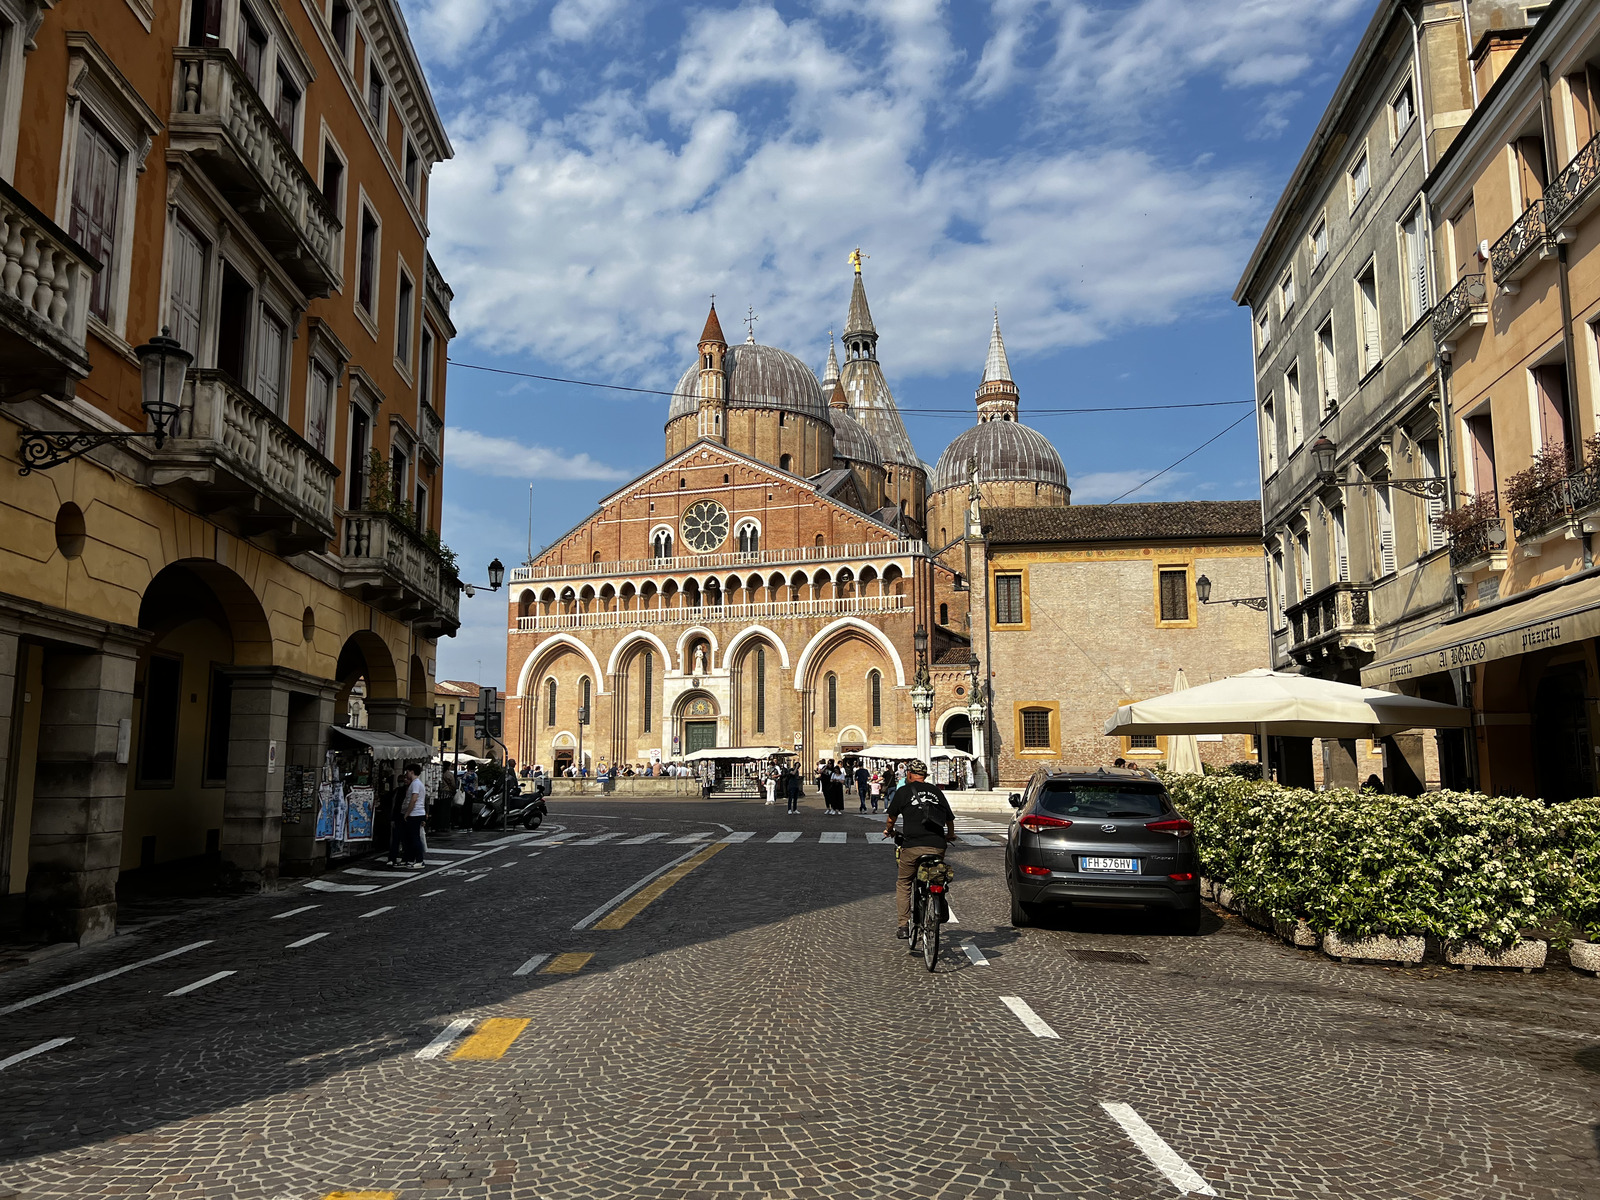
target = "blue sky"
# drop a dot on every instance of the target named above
(1098, 170)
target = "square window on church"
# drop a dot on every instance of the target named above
(1142, 741)
(1036, 729)
(1008, 599)
(1174, 586)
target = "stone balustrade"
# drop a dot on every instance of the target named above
(711, 613)
(45, 283)
(388, 566)
(697, 562)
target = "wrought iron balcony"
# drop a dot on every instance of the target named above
(1557, 508)
(219, 120)
(45, 280)
(230, 453)
(389, 567)
(1463, 307)
(1574, 193)
(1522, 247)
(1480, 545)
(1337, 618)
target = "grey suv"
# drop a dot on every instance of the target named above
(1102, 838)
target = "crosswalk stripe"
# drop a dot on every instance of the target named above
(442, 850)
(878, 839)
(792, 835)
(735, 838)
(973, 839)
(688, 838)
(531, 965)
(833, 837)
(641, 839)
(448, 1034)
(566, 964)
(597, 839)
(364, 871)
(493, 1038)
(322, 885)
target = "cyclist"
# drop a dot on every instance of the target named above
(929, 827)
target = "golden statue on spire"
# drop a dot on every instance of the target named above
(855, 259)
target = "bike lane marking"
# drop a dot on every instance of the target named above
(531, 965)
(792, 835)
(375, 912)
(22, 1055)
(104, 975)
(492, 1038)
(306, 941)
(1034, 1022)
(627, 892)
(448, 1034)
(1168, 1161)
(977, 957)
(200, 983)
(645, 896)
(293, 912)
(567, 964)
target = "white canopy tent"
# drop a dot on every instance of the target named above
(903, 753)
(736, 753)
(1267, 702)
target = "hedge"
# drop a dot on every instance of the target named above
(1456, 865)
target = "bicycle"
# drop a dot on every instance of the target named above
(929, 906)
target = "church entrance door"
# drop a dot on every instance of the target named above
(699, 735)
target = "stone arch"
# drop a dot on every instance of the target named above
(756, 631)
(621, 650)
(689, 635)
(231, 603)
(831, 632)
(418, 693)
(365, 655)
(525, 603)
(543, 651)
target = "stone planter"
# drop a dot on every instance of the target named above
(1585, 956)
(1208, 890)
(1259, 917)
(1374, 949)
(1225, 897)
(1297, 933)
(1524, 956)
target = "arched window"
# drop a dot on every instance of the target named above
(708, 362)
(944, 614)
(550, 702)
(661, 544)
(780, 418)
(749, 538)
(583, 684)
(649, 690)
(833, 701)
(596, 556)
(819, 539)
(783, 462)
(876, 680)
(761, 689)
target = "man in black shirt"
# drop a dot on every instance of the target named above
(928, 828)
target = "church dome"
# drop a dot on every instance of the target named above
(758, 377)
(1005, 450)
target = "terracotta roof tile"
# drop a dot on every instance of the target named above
(713, 330)
(1166, 520)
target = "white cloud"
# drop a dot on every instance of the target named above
(446, 29)
(1098, 487)
(578, 20)
(482, 454)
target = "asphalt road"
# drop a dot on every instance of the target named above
(745, 1024)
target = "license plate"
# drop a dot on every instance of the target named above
(1125, 866)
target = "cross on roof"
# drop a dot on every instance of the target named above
(750, 323)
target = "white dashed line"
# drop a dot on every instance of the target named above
(532, 965)
(734, 838)
(688, 838)
(72, 987)
(951, 913)
(1028, 1017)
(475, 878)
(435, 892)
(389, 874)
(306, 941)
(641, 839)
(31, 1051)
(1179, 1173)
(446, 1035)
(597, 839)
(200, 983)
(375, 912)
(978, 958)
(322, 885)
(792, 835)
(443, 850)
(293, 912)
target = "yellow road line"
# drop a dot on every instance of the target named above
(566, 964)
(623, 913)
(493, 1038)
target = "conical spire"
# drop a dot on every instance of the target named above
(996, 367)
(837, 398)
(830, 373)
(859, 322)
(713, 330)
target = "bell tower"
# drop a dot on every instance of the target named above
(713, 380)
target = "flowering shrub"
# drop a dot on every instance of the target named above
(1452, 864)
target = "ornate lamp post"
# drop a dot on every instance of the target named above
(1202, 589)
(978, 715)
(497, 576)
(1324, 454)
(922, 695)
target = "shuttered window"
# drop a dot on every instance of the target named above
(1386, 554)
(269, 361)
(1414, 266)
(1341, 546)
(1036, 729)
(1367, 319)
(1291, 405)
(1269, 437)
(188, 286)
(1327, 369)
(96, 197)
(1175, 595)
(1008, 599)
(318, 407)
(1303, 541)
(1433, 507)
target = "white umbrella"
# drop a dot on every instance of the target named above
(1183, 752)
(1277, 702)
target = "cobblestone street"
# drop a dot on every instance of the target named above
(525, 1022)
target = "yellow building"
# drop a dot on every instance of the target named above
(183, 616)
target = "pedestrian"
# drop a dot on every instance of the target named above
(444, 811)
(876, 787)
(772, 786)
(863, 780)
(791, 788)
(841, 780)
(415, 807)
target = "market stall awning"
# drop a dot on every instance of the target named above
(1286, 705)
(737, 753)
(1563, 616)
(901, 753)
(385, 745)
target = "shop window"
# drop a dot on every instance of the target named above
(158, 729)
(1008, 599)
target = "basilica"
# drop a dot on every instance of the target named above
(784, 577)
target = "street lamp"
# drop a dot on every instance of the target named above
(163, 366)
(1202, 590)
(1324, 452)
(497, 576)
(978, 718)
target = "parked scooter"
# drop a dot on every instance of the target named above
(527, 810)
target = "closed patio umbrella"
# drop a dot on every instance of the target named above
(1183, 752)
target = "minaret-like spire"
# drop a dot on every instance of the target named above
(713, 379)
(830, 373)
(837, 398)
(860, 335)
(997, 393)
(713, 330)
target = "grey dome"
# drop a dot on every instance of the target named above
(758, 377)
(851, 441)
(1005, 450)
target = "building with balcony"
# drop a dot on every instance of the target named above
(1518, 188)
(1346, 339)
(184, 617)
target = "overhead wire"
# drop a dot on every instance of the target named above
(1189, 455)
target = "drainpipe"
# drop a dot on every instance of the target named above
(1466, 21)
(1570, 371)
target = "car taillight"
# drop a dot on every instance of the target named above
(936, 888)
(1178, 827)
(1037, 821)
(1034, 870)
(1184, 877)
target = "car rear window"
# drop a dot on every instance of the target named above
(1103, 799)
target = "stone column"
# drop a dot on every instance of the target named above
(1339, 768)
(75, 847)
(1404, 766)
(252, 807)
(307, 738)
(388, 715)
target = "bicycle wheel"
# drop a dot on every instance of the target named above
(930, 932)
(917, 905)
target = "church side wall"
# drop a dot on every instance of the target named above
(767, 434)
(947, 510)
